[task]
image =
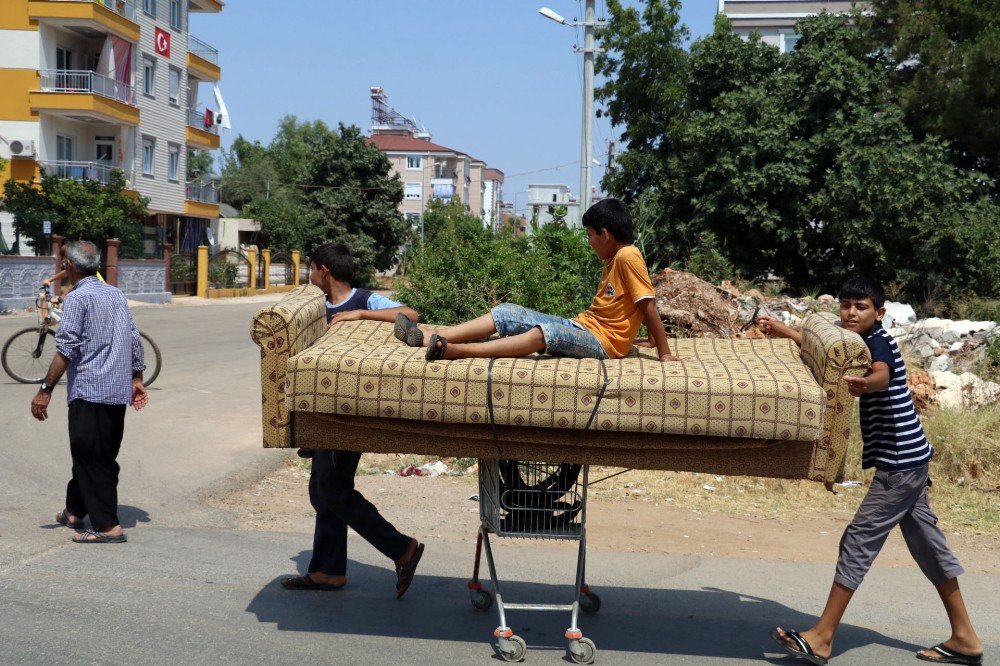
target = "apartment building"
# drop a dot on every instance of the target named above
(492, 196)
(93, 86)
(775, 20)
(545, 198)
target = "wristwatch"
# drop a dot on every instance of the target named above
(45, 388)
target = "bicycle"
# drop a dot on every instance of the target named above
(28, 353)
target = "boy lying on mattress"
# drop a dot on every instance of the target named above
(624, 300)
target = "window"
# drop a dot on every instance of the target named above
(412, 191)
(789, 42)
(148, 148)
(413, 219)
(175, 86)
(149, 6)
(104, 149)
(149, 77)
(173, 161)
(176, 15)
(413, 162)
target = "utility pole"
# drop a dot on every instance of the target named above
(586, 139)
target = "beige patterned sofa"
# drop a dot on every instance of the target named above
(735, 407)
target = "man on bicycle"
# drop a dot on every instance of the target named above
(99, 347)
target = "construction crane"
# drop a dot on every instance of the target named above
(385, 117)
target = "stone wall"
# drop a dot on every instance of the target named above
(20, 280)
(143, 280)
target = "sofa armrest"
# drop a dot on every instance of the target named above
(830, 352)
(282, 330)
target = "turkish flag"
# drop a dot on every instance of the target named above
(162, 42)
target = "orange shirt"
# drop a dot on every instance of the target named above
(614, 317)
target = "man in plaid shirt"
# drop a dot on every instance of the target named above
(99, 348)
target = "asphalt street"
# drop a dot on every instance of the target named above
(189, 589)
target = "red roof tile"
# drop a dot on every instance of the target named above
(401, 143)
(493, 174)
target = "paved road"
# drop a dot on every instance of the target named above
(188, 589)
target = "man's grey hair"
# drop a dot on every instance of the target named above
(85, 256)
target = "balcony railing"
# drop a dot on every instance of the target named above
(80, 171)
(202, 193)
(203, 50)
(448, 174)
(196, 119)
(124, 7)
(86, 81)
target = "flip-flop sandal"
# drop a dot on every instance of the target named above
(405, 573)
(435, 353)
(805, 650)
(406, 331)
(63, 520)
(93, 536)
(949, 656)
(307, 583)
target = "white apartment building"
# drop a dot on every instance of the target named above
(775, 20)
(492, 196)
(93, 86)
(544, 198)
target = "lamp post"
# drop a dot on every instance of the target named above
(589, 24)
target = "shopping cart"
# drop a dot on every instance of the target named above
(530, 500)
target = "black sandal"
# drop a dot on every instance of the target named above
(949, 656)
(804, 650)
(435, 353)
(63, 520)
(406, 331)
(93, 536)
(405, 572)
(307, 583)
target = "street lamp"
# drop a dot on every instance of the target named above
(589, 25)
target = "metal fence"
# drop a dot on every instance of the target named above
(202, 193)
(203, 50)
(197, 119)
(85, 81)
(80, 171)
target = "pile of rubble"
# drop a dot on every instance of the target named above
(941, 353)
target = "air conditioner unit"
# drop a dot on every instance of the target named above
(20, 148)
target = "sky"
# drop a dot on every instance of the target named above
(490, 78)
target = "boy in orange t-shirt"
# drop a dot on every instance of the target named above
(624, 300)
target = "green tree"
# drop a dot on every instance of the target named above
(78, 210)
(312, 185)
(798, 164)
(199, 163)
(947, 71)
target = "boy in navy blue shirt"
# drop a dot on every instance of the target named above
(331, 483)
(895, 445)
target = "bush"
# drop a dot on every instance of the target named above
(182, 269)
(553, 271)
(708, 263)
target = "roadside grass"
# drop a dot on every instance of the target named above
(965, 472)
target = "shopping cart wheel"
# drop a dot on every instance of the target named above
(481, 599)
(590, 603)
(582, 650)
(513, 648)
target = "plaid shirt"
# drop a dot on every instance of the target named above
(98, 336)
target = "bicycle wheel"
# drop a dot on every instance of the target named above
(28, 354)
(151, 352)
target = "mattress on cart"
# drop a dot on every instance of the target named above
(757, 389)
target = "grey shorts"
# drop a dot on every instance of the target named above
(895, 498)
(562, 336)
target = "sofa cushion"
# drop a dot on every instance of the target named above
(756, 389)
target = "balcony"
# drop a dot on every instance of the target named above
(80, 171)
(199, 133)
(88, 18)
(201, 200)
(206, 6)
(86, 96)
(203, 60)
(444, 174)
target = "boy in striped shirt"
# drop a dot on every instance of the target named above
(896, 446)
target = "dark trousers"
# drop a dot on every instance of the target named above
(339, 506)
(95, 435)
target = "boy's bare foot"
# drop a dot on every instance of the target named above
(820, 647)
(317, 580)
(967, 651)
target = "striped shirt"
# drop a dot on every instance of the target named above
(98, 336)
(893, 437)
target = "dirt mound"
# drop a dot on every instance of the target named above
(691, 307)
(922, 388)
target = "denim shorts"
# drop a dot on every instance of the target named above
(563, 337)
